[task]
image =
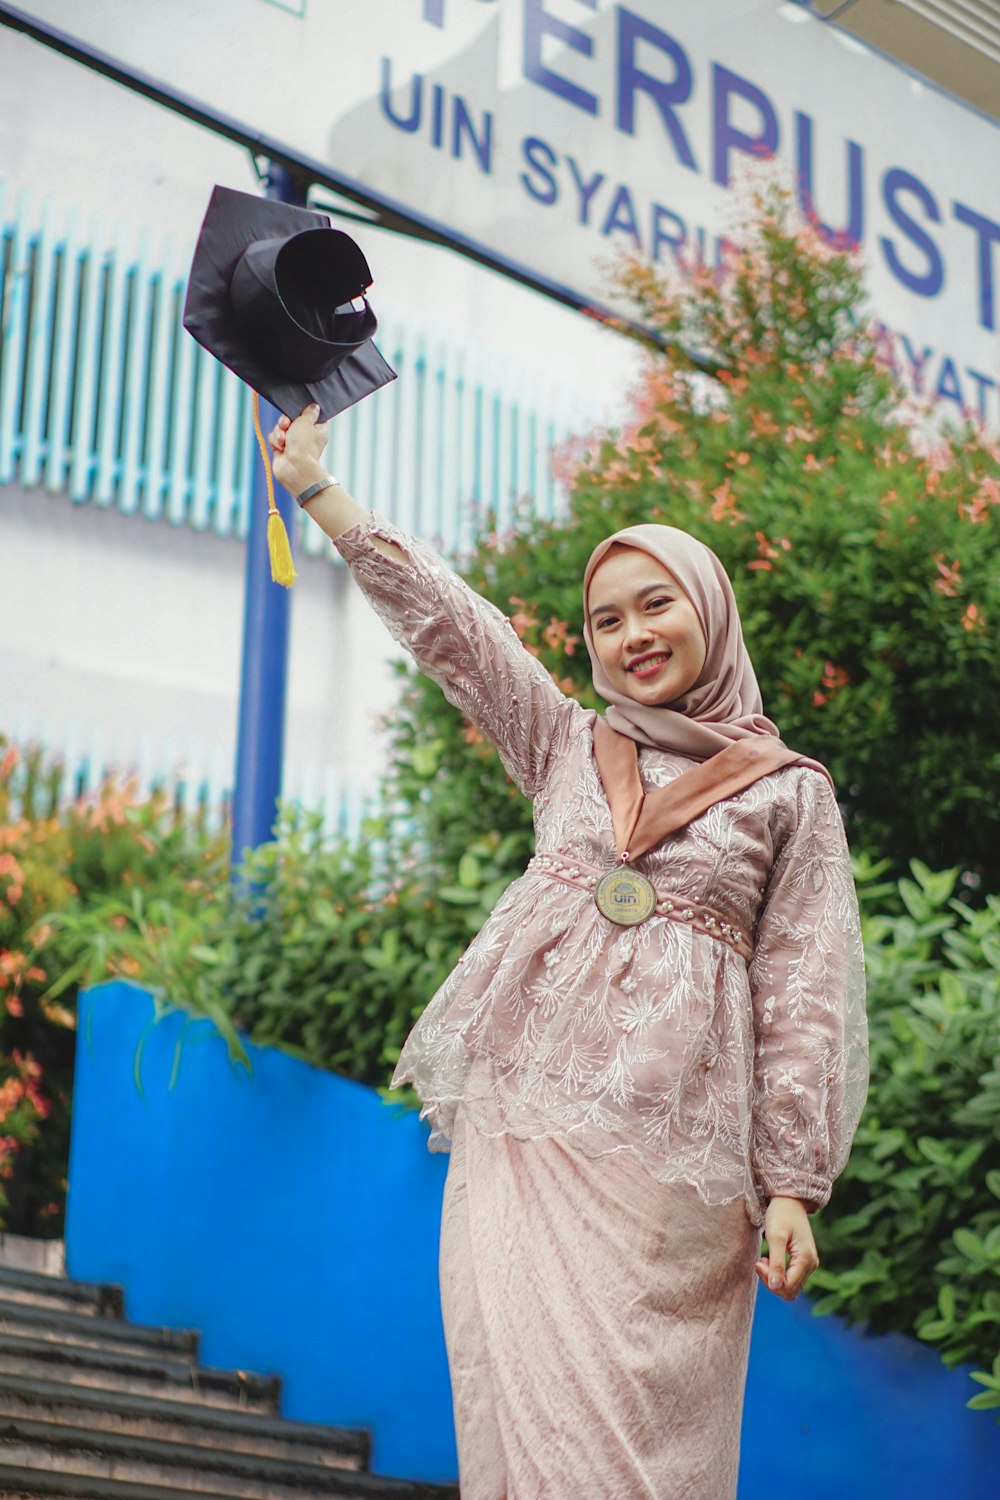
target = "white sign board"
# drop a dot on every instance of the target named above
(551, 134)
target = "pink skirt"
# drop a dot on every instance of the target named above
(597, 1324)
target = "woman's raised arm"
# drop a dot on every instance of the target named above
(457, 637)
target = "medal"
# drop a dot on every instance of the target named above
(625, 897)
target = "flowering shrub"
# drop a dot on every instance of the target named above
(22, 1107)
(65, 859)
(862, 548)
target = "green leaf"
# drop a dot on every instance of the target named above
(935, 1329)
(990, 948)
(934, 1151)
(202, 954)
(457, 895)
(971, 1246)
(915, 901)
(984, 1401)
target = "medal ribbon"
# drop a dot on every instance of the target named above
(640, 820)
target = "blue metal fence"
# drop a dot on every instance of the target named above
(104, 398)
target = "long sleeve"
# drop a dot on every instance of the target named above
(808, 988)
(467, 646)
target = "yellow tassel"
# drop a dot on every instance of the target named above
(278, 546)
(282, 567)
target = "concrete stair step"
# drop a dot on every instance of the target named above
(36, 1289)
(19, 1483)
(170, 1421)
(176, 1379)
(94, 1408)
(92, 1330)
(84, 1453)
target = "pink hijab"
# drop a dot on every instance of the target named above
(724, 705)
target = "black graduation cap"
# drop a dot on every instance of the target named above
(274, 293)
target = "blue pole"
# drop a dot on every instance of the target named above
(260, 740)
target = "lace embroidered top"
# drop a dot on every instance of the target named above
(745, 1080)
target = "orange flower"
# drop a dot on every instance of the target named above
(949, 579)
(763, 423)
(767, 551)
(979, 507)
(811, 464)
(972, 619)
(556, 634)
(126, 965)
(11, 963)
(977, 510)
(834, 678)
(11, 1094)
(522, 619)
(724, 507)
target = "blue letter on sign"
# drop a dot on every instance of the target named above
(541, 159)
(411, 121)
(988, 234)
(726, 135)
(854, 228)
(538, 24)
(631, 80)
(930, 282)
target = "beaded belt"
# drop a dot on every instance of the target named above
(702, 918)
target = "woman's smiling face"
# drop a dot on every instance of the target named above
(646, 634)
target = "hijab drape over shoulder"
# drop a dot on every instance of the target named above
(724, 706)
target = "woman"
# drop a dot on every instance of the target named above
(634, 1068)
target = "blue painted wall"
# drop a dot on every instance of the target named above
(286, 1214)
(292, 1217)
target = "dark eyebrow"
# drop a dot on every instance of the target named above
(643, 593)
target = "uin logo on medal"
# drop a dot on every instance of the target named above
(625, 897)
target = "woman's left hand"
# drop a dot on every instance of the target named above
(792, 1256)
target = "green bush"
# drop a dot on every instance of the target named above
(326, 950)
(911, 1240)
(335, 960)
